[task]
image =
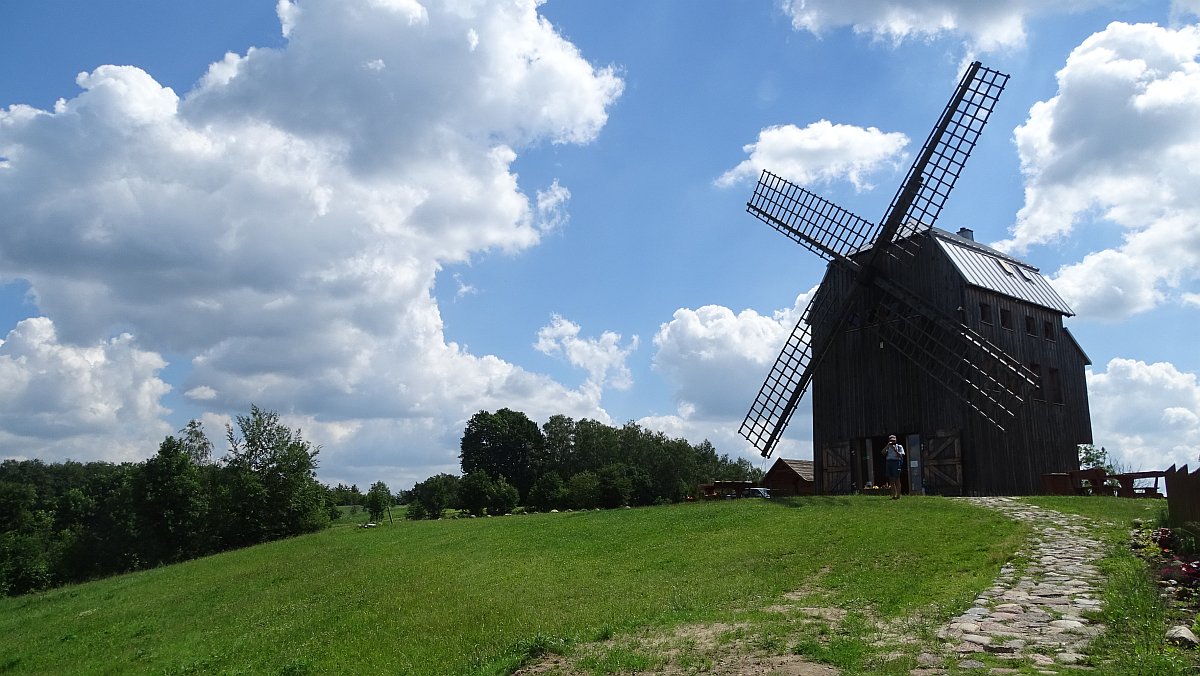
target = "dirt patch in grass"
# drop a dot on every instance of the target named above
(781, 665)
(722, 649)
(685, 650)
(729, 665)
(827, 614)
(776, 639)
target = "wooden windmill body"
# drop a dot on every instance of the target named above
(955, 347)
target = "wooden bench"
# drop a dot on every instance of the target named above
(1129, 488)
(1096, 479)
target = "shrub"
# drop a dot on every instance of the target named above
(502, 498)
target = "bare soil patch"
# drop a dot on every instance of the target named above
(687, 650)
(715, 648)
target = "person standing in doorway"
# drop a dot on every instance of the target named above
(893, 455)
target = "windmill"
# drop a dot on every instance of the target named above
(987, 379)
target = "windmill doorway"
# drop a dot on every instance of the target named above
(874, 465)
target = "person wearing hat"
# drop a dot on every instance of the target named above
(893, 454)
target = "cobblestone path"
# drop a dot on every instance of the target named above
(1034, 612)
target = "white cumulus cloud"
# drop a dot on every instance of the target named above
(1115, 149)
(59, 401)
(603, 358)
(1182, 10)
(1147, 416)
(982, 26)
(283, 222)
(715, 361)
(819, 153)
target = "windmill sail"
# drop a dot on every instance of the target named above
(788, 379)
(811, 221)
(920, 198)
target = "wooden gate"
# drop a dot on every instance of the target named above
(941, 464)
(836, 469)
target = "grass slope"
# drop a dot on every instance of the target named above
(478, 596)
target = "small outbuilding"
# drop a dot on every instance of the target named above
(790, 477)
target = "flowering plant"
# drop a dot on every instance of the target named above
(1184, 571)
(1163, 537)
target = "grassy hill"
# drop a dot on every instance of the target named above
(480, 595)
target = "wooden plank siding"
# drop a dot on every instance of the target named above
(789, 477)
(864, 390)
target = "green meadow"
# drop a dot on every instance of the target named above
(484, 596)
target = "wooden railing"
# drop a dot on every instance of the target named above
(1096, 481)
(1183, 494)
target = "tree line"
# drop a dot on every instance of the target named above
(69, 522)
(507, 460)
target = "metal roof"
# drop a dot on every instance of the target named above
(987, 268)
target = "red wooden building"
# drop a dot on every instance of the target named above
(790, 477)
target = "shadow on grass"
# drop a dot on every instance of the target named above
(812, 501)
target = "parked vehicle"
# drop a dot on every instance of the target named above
(729, 490)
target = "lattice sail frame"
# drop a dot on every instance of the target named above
(809, 220)
(961, 360)
(787, 380)
(936, 170)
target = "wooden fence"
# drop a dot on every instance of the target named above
(1183, 495)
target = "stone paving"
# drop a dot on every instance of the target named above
(1034, 612)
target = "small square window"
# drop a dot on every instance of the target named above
(1004, 266)
(1048, 330)
(985, 313)
(1006, 318)
(1030, 325)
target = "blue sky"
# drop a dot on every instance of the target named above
(380, 217)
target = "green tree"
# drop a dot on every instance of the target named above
(583, 490)
(613, 486)
(26, 563)
(331, 505)
(474, 491)
(196, 443)
(1092, 456)
(17, 502)
(273, 479)
(346, 495)
(674, 473)
(744, 470)
(110, 542)
(559, 436)
(501, 498)
(172, 505)
(25, 539)
(503, 444)
(431, 497)
(548, 492)
(596, 445)
(379, 498)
